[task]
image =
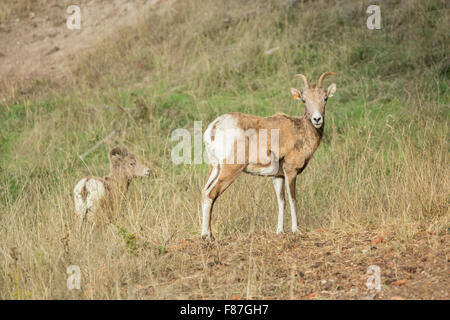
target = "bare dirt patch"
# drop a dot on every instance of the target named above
(318, 265)
(39, 46)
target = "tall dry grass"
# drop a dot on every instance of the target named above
(383, 163)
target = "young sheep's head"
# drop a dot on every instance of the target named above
(125, 163)
(315, 98)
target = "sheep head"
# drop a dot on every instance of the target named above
(315, 98)
(126, 163)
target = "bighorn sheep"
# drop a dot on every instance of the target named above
(293, 141)
(92, 193)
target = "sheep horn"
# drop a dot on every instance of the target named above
(323, 76)
(304, 79)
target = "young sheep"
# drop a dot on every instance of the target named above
(296, 140)
(94, 193)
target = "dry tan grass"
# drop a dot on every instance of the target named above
(384, 172)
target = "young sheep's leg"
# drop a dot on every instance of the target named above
(278, 184)
(82, 222)
(290, 179)
(225, 177)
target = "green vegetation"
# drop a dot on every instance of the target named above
(383, 161)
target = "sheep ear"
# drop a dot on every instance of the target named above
(117, 151)
(297, 95)
(331, 90)
(116, 157)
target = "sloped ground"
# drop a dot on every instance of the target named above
(38, 46)
(321, 264)
(383, 162)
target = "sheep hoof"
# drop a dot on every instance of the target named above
(208, 237)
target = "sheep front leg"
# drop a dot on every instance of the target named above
(278, 184)
(290, 179)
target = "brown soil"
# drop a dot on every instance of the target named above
(41, 47)
(321, 264)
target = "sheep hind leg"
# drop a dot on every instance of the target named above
(207, 202)
(225, 176)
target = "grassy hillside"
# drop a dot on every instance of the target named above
(383, 164)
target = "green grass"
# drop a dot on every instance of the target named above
(383, 160)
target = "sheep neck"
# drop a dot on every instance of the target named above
(314, 135)
(118, 183)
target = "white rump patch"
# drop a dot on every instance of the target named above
(226, 132)
(80, 205)
(94, 191)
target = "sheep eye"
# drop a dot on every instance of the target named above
(132, 164)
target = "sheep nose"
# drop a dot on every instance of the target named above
(317, 119)
(147, 171)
